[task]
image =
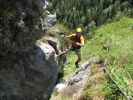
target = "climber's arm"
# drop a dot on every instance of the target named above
(81, 41)
(69, 36)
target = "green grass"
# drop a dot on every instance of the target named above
(112, 42)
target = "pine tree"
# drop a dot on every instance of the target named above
(81, 12)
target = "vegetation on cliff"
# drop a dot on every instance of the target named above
(112, 43)
(82, 12)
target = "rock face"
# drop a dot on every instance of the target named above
(48, 21)
(73, 87)
(32, 77)
(28, 71)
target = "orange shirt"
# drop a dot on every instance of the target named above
(75, 39)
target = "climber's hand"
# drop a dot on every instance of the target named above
(79, 44)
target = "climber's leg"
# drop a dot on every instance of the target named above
(78, 53)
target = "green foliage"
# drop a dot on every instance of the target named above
(81, 12)
(118, 51)
(111, 90)
(113, 43)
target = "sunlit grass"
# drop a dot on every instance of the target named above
(112, 42)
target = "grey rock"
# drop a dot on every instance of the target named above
(48, 21)
(28, 71)
(33, 75)
(74, 84)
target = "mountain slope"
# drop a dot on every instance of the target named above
(111, 44)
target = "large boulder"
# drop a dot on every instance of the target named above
(28, 69)
(33, 75)
(73, 87)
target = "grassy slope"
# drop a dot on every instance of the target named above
(112, 42)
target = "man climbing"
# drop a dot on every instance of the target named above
(77, 43)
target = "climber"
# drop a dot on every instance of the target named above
(77, 42)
